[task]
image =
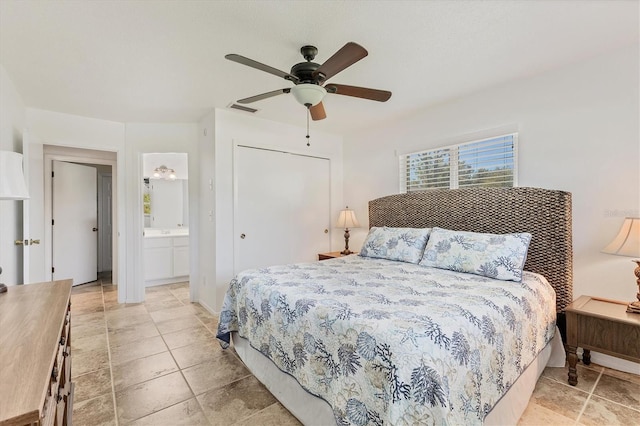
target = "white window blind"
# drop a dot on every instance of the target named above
(486, 162)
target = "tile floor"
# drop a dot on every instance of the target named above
(158, 363)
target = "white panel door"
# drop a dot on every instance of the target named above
(309, 204)
(282, 208)
(261, 216)
(26, 234)
(75, 222)
(105, 236)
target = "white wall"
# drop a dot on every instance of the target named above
(236, 127)
(207, 243)
(70, 131)
(12, 119)
(579, 131)
(128, 141)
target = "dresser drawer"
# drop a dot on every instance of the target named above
(49, 416)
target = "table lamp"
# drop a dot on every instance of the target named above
(627, 243)
(347, 219)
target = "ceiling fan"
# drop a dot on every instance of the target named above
(309, 77)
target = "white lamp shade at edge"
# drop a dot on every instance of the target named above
(12, 185)
(627, 242)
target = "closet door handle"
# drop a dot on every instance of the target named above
(242, 236)
(94, 229)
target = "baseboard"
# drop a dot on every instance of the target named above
(208, 308)
(164, 281)
(613, 362)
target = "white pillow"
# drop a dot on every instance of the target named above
(499, 256)
(402, 244)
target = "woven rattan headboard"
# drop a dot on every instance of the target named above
(546, 214)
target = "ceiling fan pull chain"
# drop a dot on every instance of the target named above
(308, 113)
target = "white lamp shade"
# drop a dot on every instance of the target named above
(308, 94)
(347, 219)
(627, 242)
(12, 186)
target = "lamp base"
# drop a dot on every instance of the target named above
(346, 250)
(634, 307)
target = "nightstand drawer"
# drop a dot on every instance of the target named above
(609, 337)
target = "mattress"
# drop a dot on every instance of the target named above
(314, 411)
(388, 342)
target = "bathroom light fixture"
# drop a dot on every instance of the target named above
(163, 172)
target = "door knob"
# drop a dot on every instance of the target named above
(242, 236)
(326, 231)
(22, 243)
(94, 229)
(32, 242)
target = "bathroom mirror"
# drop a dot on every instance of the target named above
(165, 191)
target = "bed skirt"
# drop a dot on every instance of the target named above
(314, 411)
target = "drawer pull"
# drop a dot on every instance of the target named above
(54, 374)
(63, 340)
(65, 353)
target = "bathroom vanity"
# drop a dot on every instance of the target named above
(166, 256)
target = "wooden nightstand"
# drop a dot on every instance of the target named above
(331, 255)
(601, 325)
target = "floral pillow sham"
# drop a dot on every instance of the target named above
(498, 256)
(401, 244)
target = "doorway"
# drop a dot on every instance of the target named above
(70, 253)
(165, 211)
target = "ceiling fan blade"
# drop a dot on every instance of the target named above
(317, 112)
(348, 55)
(359, 92)
(263, 96)
(262, 67)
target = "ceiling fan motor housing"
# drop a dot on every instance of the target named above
(304, 72)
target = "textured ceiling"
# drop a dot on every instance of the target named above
(163, 61)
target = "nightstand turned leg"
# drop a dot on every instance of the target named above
(573, 361)
(586, 356)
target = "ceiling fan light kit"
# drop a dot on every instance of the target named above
(308, 94)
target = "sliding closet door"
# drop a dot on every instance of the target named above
(281, 209)
(310, 207)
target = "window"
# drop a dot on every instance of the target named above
(487, 162)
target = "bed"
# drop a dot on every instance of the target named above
(368, 340)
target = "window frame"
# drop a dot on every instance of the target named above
(453, 156)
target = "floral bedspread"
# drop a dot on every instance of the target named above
(387, 342)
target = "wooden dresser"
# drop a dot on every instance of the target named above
(35, 355)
